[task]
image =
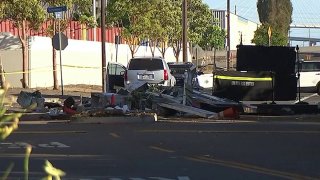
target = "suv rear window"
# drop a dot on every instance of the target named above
(149, 64)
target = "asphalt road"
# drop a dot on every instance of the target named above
(168, 150)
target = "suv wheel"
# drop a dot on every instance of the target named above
(318, 88)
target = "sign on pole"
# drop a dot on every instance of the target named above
(58, 15)
(59, 41)
(56, 9)
(56, 41)
(269, 35)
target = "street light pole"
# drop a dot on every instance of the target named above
(228, 34)
(184, 31)
(95, 18)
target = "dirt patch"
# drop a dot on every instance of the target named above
(68, 90)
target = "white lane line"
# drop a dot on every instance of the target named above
(114, 135)
(160, 178)
(307, 97)
(183, 178)
(23, 145)
(38, 122)
(161, 149)
(209, 121)
(15, 155)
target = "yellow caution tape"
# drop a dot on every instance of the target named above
(82, 67)
(46, 69)
(243, 78)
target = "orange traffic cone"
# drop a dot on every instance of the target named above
(230, 112)
(113, 100)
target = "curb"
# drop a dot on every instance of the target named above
(145, 118)
(265, 118)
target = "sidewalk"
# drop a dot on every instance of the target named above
(68, 90)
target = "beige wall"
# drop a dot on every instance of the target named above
(12, 63)
(81, 61)
(240, 26)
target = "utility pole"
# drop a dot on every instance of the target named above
(184, 31)
(228, 34)
(103, 45)
(95, 18)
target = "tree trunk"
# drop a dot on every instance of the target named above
(24, 64)
(2, 76)
(23, 40)
(132, 50)
(163, 49)
(177, 50)
(152, 46)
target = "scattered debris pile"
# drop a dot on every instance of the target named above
(140, 97)
(31, 101)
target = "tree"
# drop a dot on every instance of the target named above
(145, 20)
(133, 17)
(213, 37)
(161, 22)
(82, 11)
(199, 17)
(169, 23)
(175, 33)
(26, 15)
(262, 38)
(2, 5)
(276, 14)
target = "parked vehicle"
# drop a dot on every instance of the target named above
(178, 70)
(309, 76)
(116, 73)
(153, 70)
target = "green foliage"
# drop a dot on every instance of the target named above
(133, 16)
(19, 11)
(80, 10)
(2, 5)
(261, 37)
(52, 172)
(143, 19)
(213, 37)
(199, 17)
(8, 122)
(278, 15)
(83, 12)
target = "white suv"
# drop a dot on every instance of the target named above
(309, 76)
(153, 70)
